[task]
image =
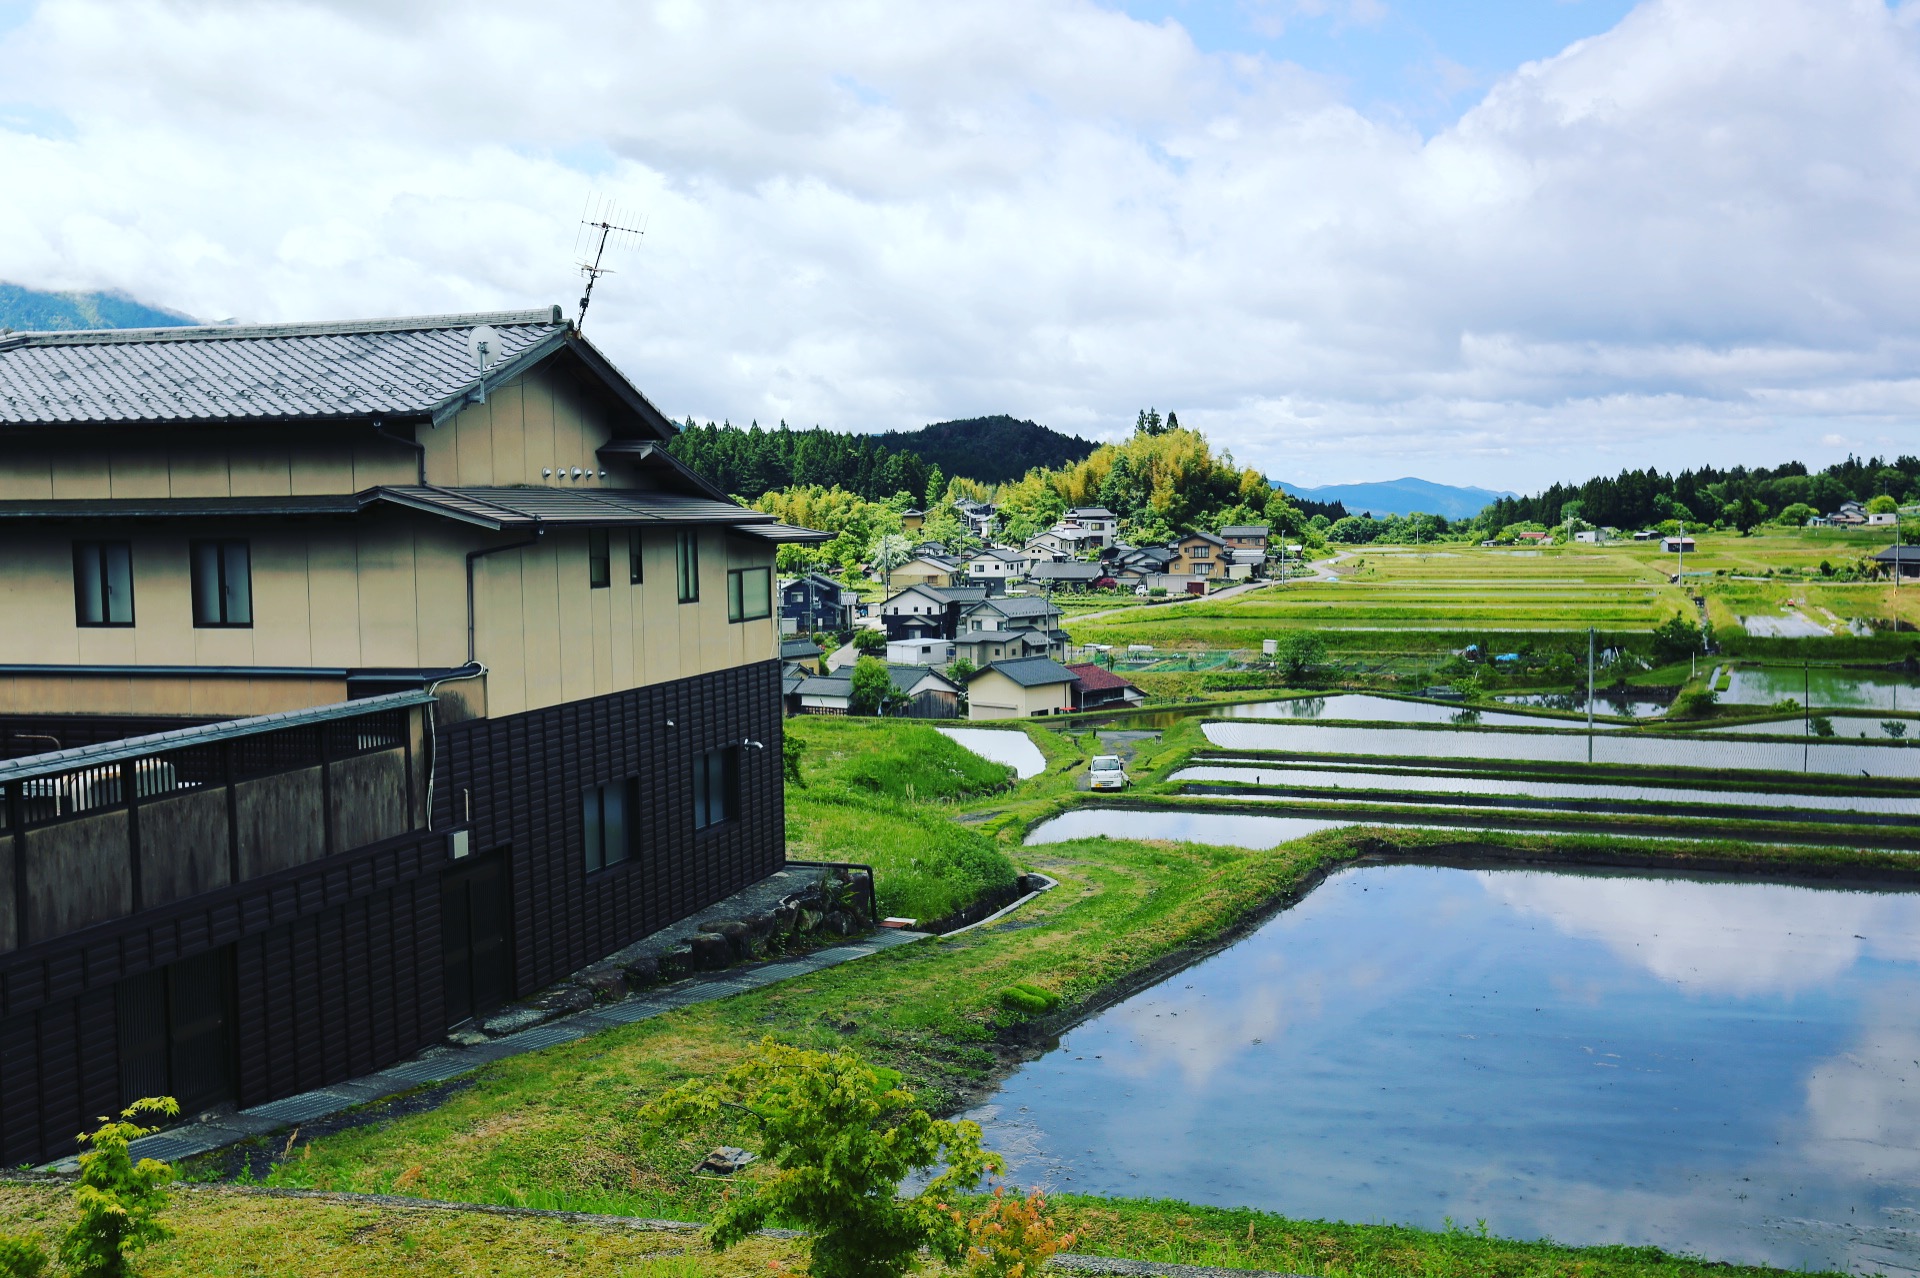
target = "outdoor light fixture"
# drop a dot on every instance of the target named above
(755, 744)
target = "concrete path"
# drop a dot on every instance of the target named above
(438, 1064)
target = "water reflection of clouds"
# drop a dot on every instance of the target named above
(1863, 1104)
(1197, 1038)
(1720, 937)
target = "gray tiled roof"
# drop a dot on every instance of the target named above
(1019, 606)
(1067, 570)
(398, 367)
(1031, 672)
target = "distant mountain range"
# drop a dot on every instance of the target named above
(1401, 497)
(992, 450)
(29, 310)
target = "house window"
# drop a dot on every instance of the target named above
(222, 584)
(102, 583)
(716, 784)
(749, 593)
(605, 822)
(686, 555)
(599, 565)
(635, 572)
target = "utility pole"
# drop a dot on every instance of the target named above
(1806, 714)
(1589, 694)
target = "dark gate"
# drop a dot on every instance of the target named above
(176, 1034)
(475, 939)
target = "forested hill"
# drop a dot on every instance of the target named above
(754, 461)
(1742, 497)
(26, 310)
(993, 450)
(990, 449)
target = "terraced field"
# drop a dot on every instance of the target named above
(1404, 590)
(1404, 598)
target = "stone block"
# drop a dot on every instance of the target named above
(710, 951)
(641, 969)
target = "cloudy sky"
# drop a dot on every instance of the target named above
(1499, 242)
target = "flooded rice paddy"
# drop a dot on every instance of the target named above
(1002, 745)
(1367, 784)
(1724, 1068)
(1833, 689)
(1839, 758)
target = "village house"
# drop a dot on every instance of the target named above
(1046, 547)
(1199, 554)
(1246, 536)
(816, 603)
(922, 611)
(1065, 574)
(919, 692)
(1901, 561)
(926, 570)
(1097, 524)
(978, 516)
(998, 628)
(357, 679)
(994, 567)
(1020, 689)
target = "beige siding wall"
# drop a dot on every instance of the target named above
(330, 594)
(388, 592)
(540, 423)
(547, 636)
(237, 463)
(994, 696)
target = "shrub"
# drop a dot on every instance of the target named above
(1297, 652)
(873, 688)
(21, 1257)
(1894, 728)
(842, 1135)
(1012, 1237)
(871, 642)
(1821, 725)
(1694, 703)
(117, 1199)
(1031, 999)
(792, 751)
(1675, 639)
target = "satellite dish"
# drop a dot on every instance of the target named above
(484, 345)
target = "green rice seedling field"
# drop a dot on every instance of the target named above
(1407, 598)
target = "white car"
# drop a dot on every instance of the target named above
(1106, 773)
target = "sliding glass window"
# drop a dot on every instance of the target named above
(749, 594)
(102, 583)
(222, 584)
(686, 552)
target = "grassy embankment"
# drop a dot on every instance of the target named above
(557, 1129)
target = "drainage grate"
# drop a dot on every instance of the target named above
(298, 1109)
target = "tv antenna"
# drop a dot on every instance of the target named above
(601, 223)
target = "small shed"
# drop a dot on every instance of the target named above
(1677, 545)
(1100, 687)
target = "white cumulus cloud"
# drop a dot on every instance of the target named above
(1695, 237)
